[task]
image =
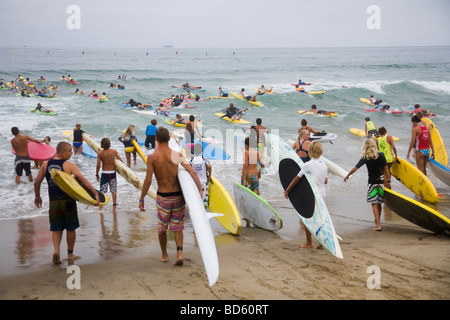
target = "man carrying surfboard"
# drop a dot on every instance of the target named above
(170, 203)
(22, 161)
(63, 212)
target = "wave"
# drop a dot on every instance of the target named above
(441, 86)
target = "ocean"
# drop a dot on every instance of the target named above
(400, 76)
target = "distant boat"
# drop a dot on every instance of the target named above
(167, 46)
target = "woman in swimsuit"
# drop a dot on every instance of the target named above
(77, 140)
(421, 141)
(301, 146)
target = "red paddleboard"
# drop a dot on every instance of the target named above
(39, 151)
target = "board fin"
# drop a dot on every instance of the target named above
(210, 215)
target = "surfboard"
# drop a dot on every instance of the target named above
(334, 114)
(220, 115)
(39, 151)
(211, 151)
(335, 168)
(200, 220)
(367, 101)
(153, 113)
(122, 168)
(216, 97)
(416, 212)
(438, 144)
(319, 224)
(176, 124)
(310, 206)
(255, 103)
(440, 171)
(40, 112)
(75, 190)
(139, 151)
(385, 111)
(362, 133)
(414, 180)
(323, 136)
(316, 92)
(255, 209)
(220, 201)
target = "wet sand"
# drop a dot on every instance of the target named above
(120, 260)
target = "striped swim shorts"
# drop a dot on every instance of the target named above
(375, 193)
(170, 211)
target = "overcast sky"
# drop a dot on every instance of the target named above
(228, 24)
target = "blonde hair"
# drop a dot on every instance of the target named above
(129, 131)
(369, 150)
(77, 126)
(301, 133)
(315, 149)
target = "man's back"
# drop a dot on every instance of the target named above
(108, 157)
(165, 169)
(20, 145)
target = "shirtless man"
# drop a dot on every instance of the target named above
(22, 161)
(316, 111)
(260, 135)
(107, 156)
(170, 202)
(249, 177)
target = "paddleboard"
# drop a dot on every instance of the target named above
(200, 220)
(362, 133)
(122, 168)
(256, 209)
(310, 206)
(316, 92)
(75, 190)
(367, 101)
(153, 113)
(220, 201)
(220, 115)
(39, 151)
(215, 97)
(323, 136)
(40, 112)
(103, 100)
(414, 180)
(211, 151)
(255, 103)
(176, 124)
(334, 114)
(264, 92)
(438, 144)
(139, 151)
(440, 171)
(417, 212)
(335, 168)
(301, 84)
(385, 111)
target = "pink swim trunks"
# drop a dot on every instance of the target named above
(170, 211)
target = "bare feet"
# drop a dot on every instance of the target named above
(56, 258)
(179, 261)
(164, 259)
(377, 229)
(306, 245)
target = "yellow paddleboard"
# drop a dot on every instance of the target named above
(414, 180)
(334, 114)
(266, 92)
(417, 212)
(362, 133)
(176, 124)
(220, 201)
(438, 144)
(220, 115)
(75, 190)
(367, 101)
(139, 151)
(255, 103)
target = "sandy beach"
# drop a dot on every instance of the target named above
(120, 260)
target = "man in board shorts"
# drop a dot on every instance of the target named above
(63, 212)
(169, 199)
(22, 161)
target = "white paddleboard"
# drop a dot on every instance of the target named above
(256, 209)
(320, 224)
(200, 220)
